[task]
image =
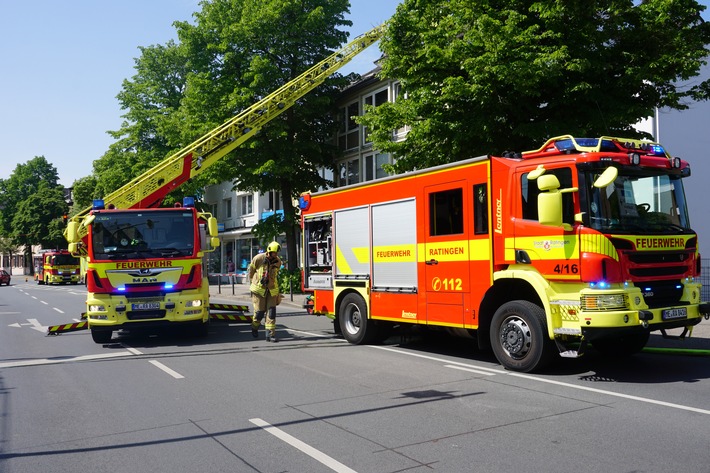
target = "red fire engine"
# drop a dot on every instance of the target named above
(536, 253)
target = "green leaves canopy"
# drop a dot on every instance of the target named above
(482, 77)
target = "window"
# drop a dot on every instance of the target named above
(530, 191)
(227, 208)
(275, 200)
(480, 209)
(349, 131)
(445, 212)
(373, 166)
(396, 94)
(375, 99)
(246, 204)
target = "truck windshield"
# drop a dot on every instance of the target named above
(132, 235)
(638, 202)
(65, 260)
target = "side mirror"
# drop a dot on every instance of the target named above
(607, 177)
(549, 201)
(71, 233)
(212, 227)
(214, 242)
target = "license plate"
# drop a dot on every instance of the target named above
(671, 314)
(146, 306)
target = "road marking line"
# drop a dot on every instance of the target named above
(551, 381)
(58, 310)
(326, 460)
(51, 361)
(311, 334)
(45, 303)
(471, 370)
(172, 373)
(131, 349)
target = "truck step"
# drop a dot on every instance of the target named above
(570, 354)
(567, 331)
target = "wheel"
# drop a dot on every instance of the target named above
(519, 337)
(354, 324)
(625, 345)
(101, 336)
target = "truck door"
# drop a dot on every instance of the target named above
(446, 252)
(551, 250)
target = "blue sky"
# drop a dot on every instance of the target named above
(63, 62)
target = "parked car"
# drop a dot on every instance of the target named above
(4, 277)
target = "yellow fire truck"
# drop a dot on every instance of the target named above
(58, 267)
(585, 240)
(145, 263)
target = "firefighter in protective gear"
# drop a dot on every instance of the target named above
(263, 276)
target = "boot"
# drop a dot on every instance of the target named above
(254, 332)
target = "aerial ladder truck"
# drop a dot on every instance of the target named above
(144, 263)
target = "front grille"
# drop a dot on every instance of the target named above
(145, 314)
(659, 258)
(661, 294)
(678, 271)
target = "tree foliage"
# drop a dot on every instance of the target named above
(481, 77)
(32, 206)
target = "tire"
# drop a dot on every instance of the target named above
(101, 336)
(354, 324)
(519, 337)
(623, 346)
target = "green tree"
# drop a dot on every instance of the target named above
(31, 200)
(84, 191)
(38, 220)
(484, 77)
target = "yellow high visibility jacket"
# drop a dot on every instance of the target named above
(258, 266)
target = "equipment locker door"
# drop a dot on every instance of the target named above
(446, 252)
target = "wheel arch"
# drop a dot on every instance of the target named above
(511, 285)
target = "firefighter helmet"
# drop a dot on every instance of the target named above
(273, 247)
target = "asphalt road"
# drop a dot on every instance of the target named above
(159, 402)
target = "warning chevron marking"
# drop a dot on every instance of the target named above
(234, 307)
(233, 317)
(56, 329)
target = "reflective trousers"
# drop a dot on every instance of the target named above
(264, 306)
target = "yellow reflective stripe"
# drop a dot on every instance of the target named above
(480, 250)
(598, 243)
(341, 263)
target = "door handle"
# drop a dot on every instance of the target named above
(432, 261)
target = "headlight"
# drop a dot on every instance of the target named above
(97, 308)
(195, 303)
(604, 302)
